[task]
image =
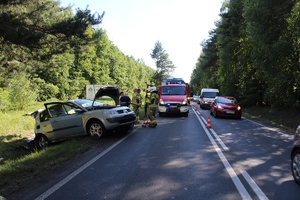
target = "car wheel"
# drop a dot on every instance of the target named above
(42, 142)
(215, 114)
(185, 114)
(160, 114)
(95, 127)
(296, 166)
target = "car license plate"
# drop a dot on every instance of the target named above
(230, 112)
(173, 107)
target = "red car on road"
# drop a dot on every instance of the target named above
(226, 106)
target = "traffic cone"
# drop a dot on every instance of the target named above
(208, 123)
(196, 108)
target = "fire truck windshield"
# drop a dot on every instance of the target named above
(173, 90)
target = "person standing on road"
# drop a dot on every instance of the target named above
(147, 102)
(152, 107)
(124, 100)
(136, 103)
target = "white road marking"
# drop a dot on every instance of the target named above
(254, 186)
(238, 184)
(79, 170)
(252, 121)
(217, 137)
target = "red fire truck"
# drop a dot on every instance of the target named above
(174, 96)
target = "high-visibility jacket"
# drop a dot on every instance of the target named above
(136, 99)
(148, 95)
(154, 100)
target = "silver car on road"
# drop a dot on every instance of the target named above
(60, 120)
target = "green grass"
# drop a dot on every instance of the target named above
(287, 118)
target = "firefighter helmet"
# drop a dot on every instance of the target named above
(152, 89)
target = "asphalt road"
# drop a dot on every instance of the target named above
(182, 159)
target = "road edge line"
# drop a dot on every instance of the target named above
(237, 182)
(79, 170)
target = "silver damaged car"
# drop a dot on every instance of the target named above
(60, 120)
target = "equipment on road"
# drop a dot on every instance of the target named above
(208, 123)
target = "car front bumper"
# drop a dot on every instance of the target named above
(115, 122)
(173, 109)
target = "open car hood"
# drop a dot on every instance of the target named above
(108, 90)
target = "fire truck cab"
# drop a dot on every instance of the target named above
(174, 94)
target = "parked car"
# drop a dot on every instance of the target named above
(226, 106)
(60, 120)
(207, 96)
(195, 98)
(295, 156)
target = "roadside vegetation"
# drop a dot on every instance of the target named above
(253, 54)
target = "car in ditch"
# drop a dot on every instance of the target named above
(61, 120)
(226, 106)
(295, 156)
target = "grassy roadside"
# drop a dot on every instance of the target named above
(28, 164)
(287, 119)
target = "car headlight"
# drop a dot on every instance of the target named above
(184, 102)
(239, 108)
(161, 102)
(220, 107)
(110, 112)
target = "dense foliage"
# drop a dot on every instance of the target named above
(48, 52)
(253, 53)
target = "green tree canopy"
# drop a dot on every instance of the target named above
(164, 65)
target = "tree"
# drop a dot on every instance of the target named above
(164, 66)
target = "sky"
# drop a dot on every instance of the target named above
(134, 26)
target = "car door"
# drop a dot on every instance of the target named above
(66, 119)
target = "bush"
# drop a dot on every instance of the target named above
(45, 90)
(21, 92)
(4, 100)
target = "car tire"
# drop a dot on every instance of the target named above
(95, 127)
(295, 166)
(41, 141)
(160, 114)
(215, 114)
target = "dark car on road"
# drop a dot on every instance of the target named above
(295, 156)
(60, 120)
(226, 106)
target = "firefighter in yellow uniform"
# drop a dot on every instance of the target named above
(147, 102)
(152, 107)
(136, 103)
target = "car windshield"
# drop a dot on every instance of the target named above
(88, 103)
(209, 94)
(173, 90)
(227, 100)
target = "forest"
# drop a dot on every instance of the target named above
(48, 52)
(253, 53)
